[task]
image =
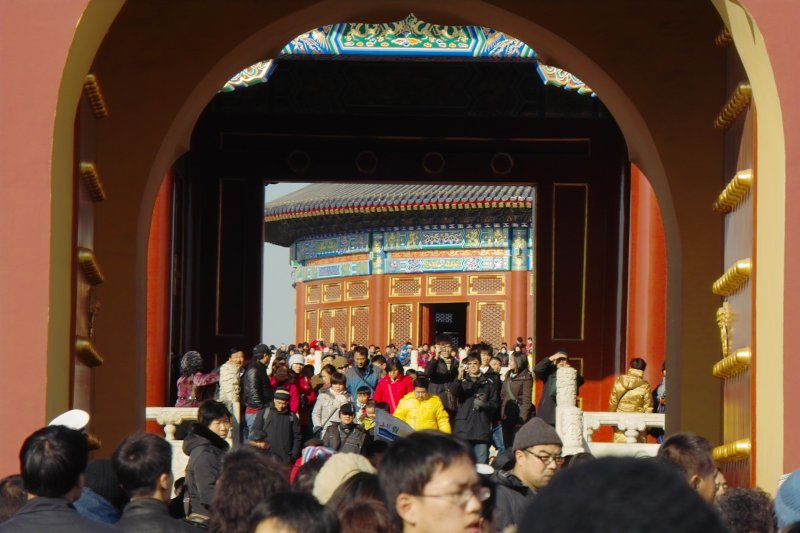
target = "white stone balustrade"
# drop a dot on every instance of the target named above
(576, 427)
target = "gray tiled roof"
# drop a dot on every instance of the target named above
(330, 198)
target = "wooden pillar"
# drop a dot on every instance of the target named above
(647, 278)
(378, 311)
(518, 312)
(300, 312)
(158, 298)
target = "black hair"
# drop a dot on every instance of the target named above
(298, 511)
(52, 460)
(411, 372)
(638, 363)
(363, 390)
(248, 476)
(371, 403)
(472, 356)
(360, 486)
(12, 496)
(744, 509)
(211, 410)
(443, 338)
(307, 474)
(329, 368)
(604, 494)
(384, 406)
(337, 378)
(361, 350)
(520, 361)
(235, 350)
(689, 453)
(484, 347)
(394, 364)
(378, 359)
(421, 382)
(410, 463)
(139, 461)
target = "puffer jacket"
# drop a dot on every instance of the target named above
(427, 414)
(479, 402)
(205, 450)
(513, 497)
(631, 394)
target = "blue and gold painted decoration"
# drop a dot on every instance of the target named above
(409, 37)
(448, 264)
(377, 255)
(519, 249)
(446, 238)
(335, 270)
(330, 246)
(561, 78)
(252, 75)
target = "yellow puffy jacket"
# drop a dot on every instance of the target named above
(427, 414)
(631, 394)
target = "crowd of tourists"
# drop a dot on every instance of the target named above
(310, 456)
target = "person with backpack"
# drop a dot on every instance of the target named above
(277, 430)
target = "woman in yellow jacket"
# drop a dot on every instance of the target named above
(422, 410)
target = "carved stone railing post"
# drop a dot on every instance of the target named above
(569, 418)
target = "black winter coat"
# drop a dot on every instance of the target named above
(546, 371)
(511, 500)
(441, 379)
(40, 515)
(205, 450)
(344, 439)
(281, 429)
(256, 388)
(149, 515)
(479, 402)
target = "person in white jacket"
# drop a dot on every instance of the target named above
(326, 409)
(229, 378)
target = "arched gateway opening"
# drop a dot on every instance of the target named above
(664, 119)
(508, 213)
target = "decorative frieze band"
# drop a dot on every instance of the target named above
(738, 102)
(91, 180)
(91, 88)
(89, 267)
(86, 351)
(732, 451)
(733, 364)
(735, 191)
(733, 279)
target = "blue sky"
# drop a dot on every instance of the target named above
(278, 293)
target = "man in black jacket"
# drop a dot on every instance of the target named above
(546, 370)
(52, 461)
(345, 436)
(442, 371)
(537, 458)
(277, 430)
(479, 401)
(143, 464)
(256, 388)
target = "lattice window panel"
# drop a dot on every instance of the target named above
(444, 286)
(311, 325)
(333, 325)
(314, 294)
(444, 318)
(482, 285)
(401, 323)
(357, 290)
(492, 322)
(333, 292)
(359, 325)
(406, 286)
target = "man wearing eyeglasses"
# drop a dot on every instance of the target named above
(537, 458)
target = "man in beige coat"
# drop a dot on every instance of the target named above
(631, 394)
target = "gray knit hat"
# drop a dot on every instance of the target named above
(535, 431)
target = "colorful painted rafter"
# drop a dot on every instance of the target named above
(409, 37)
